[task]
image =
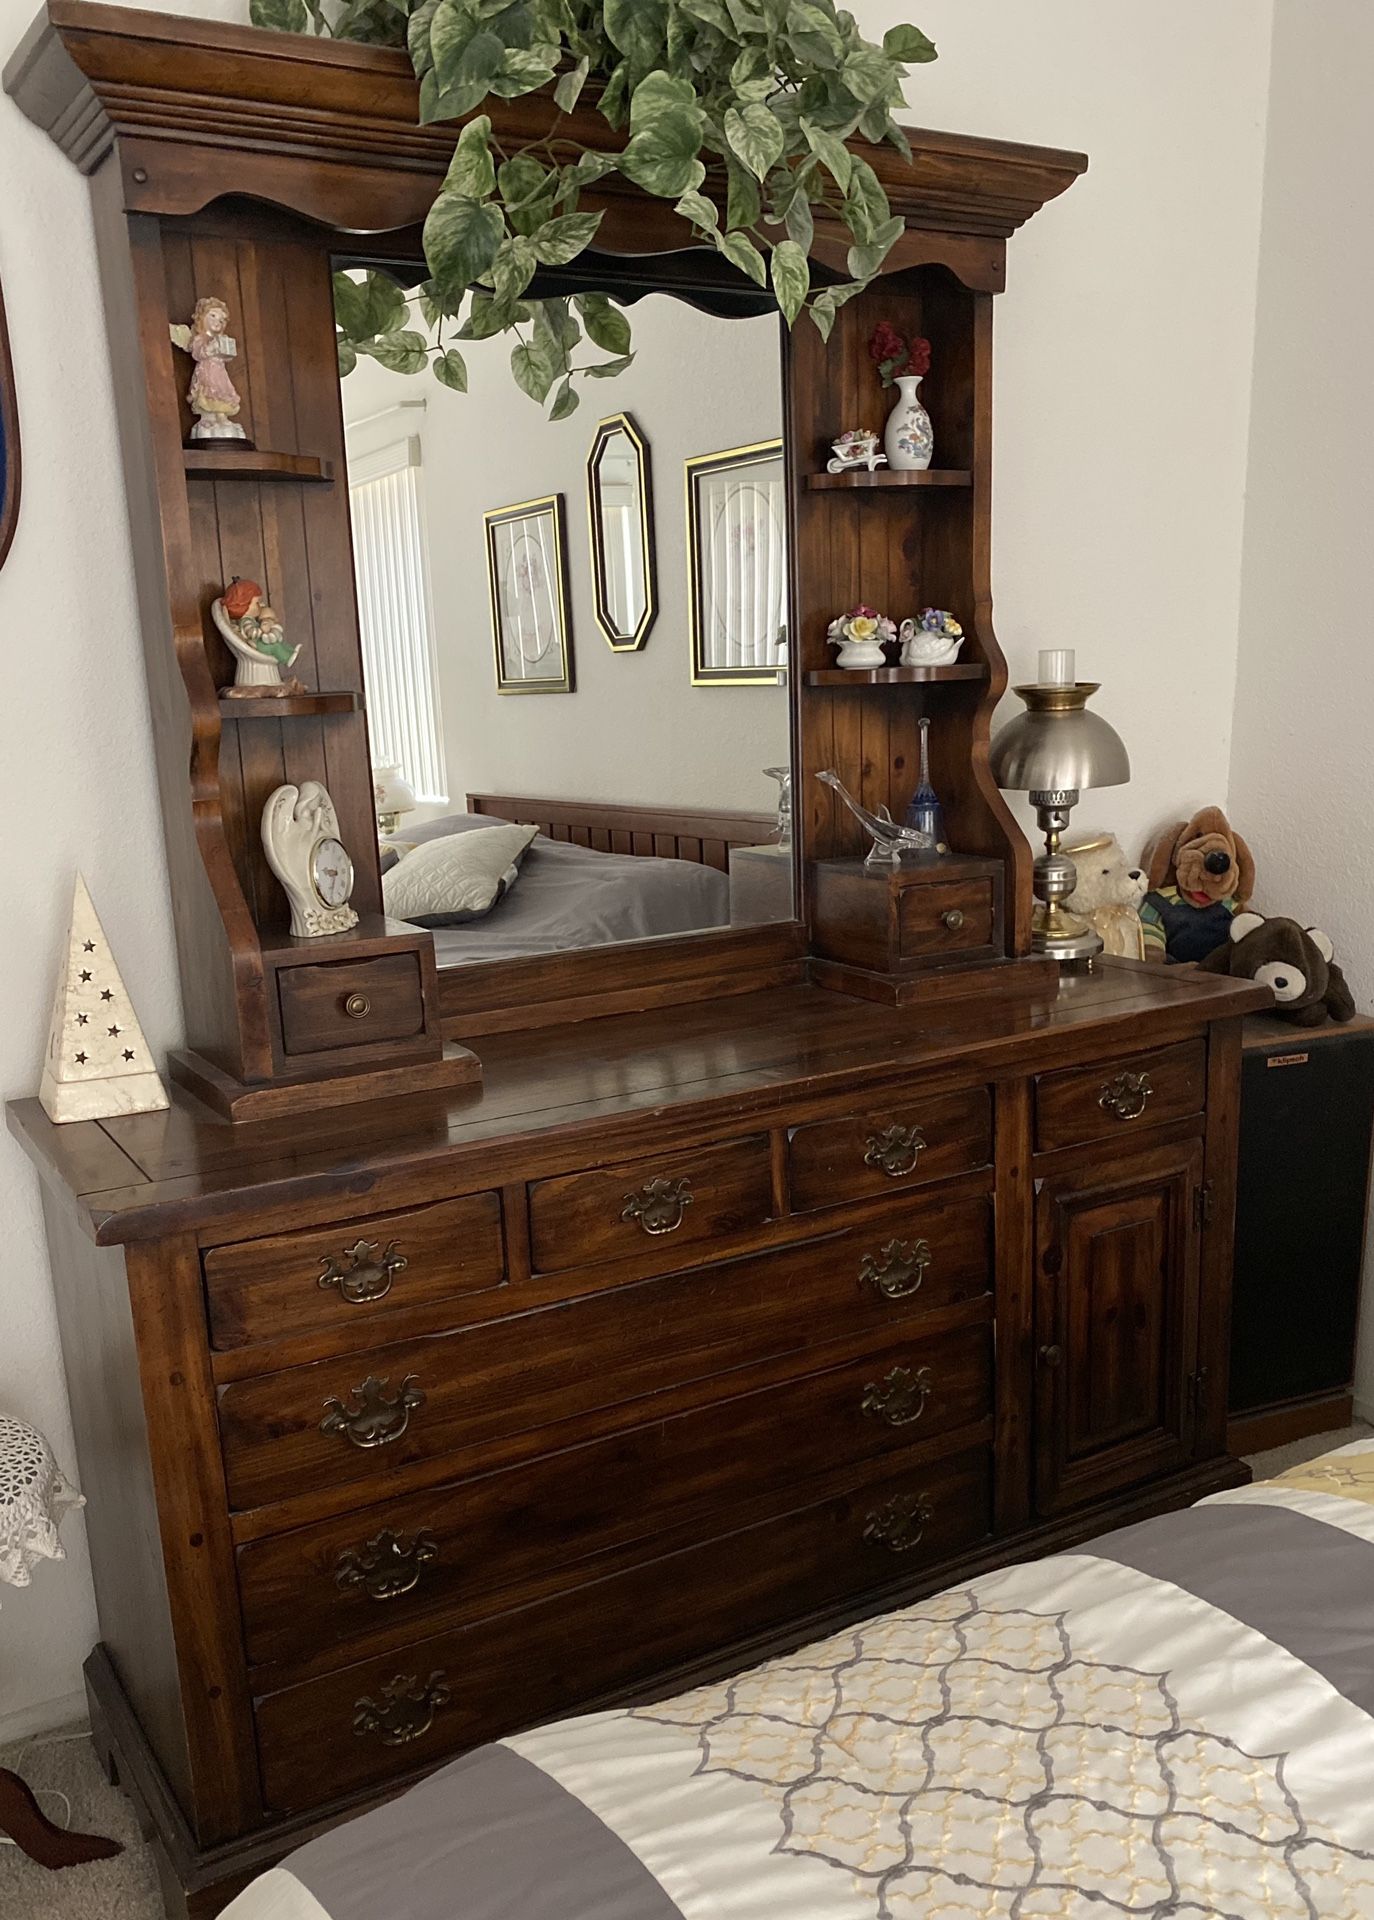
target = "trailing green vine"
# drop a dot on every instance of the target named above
(737, 111)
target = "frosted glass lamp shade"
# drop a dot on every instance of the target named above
(392, 796)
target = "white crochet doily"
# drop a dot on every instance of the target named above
(34, 1494)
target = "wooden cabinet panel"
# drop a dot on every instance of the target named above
(945, 917)
(470, 1548)
(348, 1003)
(349, 1276)
(1117, 1301)
(1105, 1102)
(609, 1213)
(902, 1143)
(284, 1431)
(474, 1683)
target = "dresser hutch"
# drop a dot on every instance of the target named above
(466, 1349)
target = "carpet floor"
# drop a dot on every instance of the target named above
(63, 1765)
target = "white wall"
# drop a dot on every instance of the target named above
(1125, 344)
(1304, 722)
(635, 730)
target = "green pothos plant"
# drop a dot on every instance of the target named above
(737, 111)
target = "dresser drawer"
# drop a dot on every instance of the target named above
(403, 1711)
(350, 1003)
(357, 1417)
(664, 1204)
(466, 1550)
(904, 1142)
(1103, 1102)
(945, 917)
(349, 1276)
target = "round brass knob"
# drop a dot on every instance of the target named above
(1051, 1356)
(357, 1006)
(954, 919)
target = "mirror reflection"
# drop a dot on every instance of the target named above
(631, 570)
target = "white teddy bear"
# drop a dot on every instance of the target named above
(1109, 893)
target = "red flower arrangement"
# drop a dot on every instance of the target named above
(893, 354)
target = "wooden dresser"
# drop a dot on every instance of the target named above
(676, 1342)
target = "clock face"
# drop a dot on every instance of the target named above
(331, 872)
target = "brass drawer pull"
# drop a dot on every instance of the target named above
(902, 1269)
(375, 1418)
(363, 1272)
(896, 1150)
(900, 1397)
(1051, 1357)
(388, 1566)
(659, 1205)
(953, 919)
(407, 1710)
(900, 1523)
(1126, 1095)
(357, 1006)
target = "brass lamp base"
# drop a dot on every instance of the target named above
(1054, 930)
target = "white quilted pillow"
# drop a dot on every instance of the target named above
(448, 882)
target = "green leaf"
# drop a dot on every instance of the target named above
(699, 210)
(865, 260)
(567, 400)
(833, 154)
(280, 16)
(451, 370)
(467, 79)
(528, 192)
(608, 369)
(461, 239)
(865, 205)
(606, 325)
(569, 89)
(417, 36)
(534, 375)
(348, 356)
(801, 226)
(367, 307)
(637, 28)
(488, 316)
(711, 12)
(663, 158)
(614, 95)
(398, 352)
(743, 203)
(525, 69)
(867, 74)
(813, 34)
(791, 278)
(908, 44)
(755, 137)
(350, 307)
(560, 240)
(740, 250)
(472, 170)
(752, 66)
(513, 268)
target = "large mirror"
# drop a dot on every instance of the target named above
(630, 568)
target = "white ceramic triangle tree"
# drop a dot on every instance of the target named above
(98, 1063)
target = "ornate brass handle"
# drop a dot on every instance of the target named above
(1126, 1095)
(387, 1566)
(896, 1150)
(900, 1397)
(953, 919)
(357, 1006)
(375, 1417)
(367, 1274)
(900, 1523)
(659, 1205)
(902, 1269)
(406, 1711)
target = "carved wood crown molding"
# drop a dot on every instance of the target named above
(329, 129)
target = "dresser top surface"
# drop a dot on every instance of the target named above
(138, 1175)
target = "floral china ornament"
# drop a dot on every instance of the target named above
(933, 641)
(859, 636)
(903, 363)
(212, 395)
(258, 642)
(856, 448)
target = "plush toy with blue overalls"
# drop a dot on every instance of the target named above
(1201, 874)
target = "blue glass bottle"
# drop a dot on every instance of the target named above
(924, 810)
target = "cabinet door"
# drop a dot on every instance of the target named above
(1117, 1247)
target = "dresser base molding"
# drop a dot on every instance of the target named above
(1255, 1431)
(1035, 974)
(278, 1099)
(199, 1882)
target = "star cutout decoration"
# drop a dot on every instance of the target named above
(108, 994)
(82, 1019)
(114, 1033)
(85, 973)
(128, 1053)
(88, 946)
(80, 1059)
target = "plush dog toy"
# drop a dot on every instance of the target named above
(1108, 894)
(1200, 874)
(1294, 962)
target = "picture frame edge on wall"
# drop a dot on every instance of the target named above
(695, 466)
(10, 471)
(597, 534)
(556, 505)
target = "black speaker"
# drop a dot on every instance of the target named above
(1307, 1112)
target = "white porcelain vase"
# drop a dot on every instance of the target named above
(909, 439)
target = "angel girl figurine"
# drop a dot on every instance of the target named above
(211, 395)
(257, 640)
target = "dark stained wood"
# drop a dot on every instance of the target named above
(862, 479)
(224, 464)
(343, 1003)
(856, 1156)
(695, 834)
(1103, 1102)
(1212, 1394)
(289, 707)
(894, 676)
(1279, 1426)
(232, 1100)
(34, 1834)
(892, 920)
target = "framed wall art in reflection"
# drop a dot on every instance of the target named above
(737, 552)
(9, 443)
(527, 567)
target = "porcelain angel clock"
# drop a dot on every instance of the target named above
(300, 835)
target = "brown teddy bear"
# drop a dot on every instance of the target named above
(1200, 873)
(1294, 962)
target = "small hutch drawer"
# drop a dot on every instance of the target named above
(459, 1552)
(1098, 1103)
(344, 1276)
(350, 1003)
(905, 1143)
(945, 917)
(402, 1711)
(660, 1205)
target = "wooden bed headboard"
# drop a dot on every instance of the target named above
(698, 834)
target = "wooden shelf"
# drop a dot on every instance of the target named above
(894, 676)
(289, 707)
(204, 464)
(861, 478)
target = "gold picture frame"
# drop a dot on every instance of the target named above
(623, 546)
(738, 566)
(527, 577)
